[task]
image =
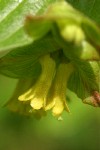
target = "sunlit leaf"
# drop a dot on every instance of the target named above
(12, 17)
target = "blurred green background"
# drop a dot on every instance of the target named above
(79, 130)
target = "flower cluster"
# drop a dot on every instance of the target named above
(48, 92)
(73, 63)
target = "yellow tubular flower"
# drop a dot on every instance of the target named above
(37, 94)
(57, 98)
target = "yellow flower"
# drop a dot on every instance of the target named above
(37, 94)
(57, 99)
(48, 92)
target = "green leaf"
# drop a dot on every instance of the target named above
(12, 16)
(91, 8)
(83, 79)
(23, 61)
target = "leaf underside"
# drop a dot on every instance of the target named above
(23, 61)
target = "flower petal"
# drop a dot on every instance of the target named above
(27, 95)
(37, 103)
(59, 106)
(49, 104)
